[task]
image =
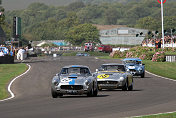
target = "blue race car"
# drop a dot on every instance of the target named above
(135, 66)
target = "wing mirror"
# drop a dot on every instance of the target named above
(94, 74)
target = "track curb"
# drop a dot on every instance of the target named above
(152, 114)
(161, 76)
(11, 82)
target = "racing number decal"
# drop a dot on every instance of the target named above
(102, 76)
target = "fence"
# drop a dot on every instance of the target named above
(170, 58)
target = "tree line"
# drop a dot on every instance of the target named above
(74, 22)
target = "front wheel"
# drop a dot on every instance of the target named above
(143, 75)
(53, 93)
(130, 88)
(95, 92)
(125, 87)
(90, 93)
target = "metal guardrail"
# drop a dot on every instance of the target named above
(170, 58)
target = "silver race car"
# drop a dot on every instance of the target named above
(74, 80)
(114, 76)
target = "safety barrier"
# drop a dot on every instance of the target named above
(170, 58)
(7, 59)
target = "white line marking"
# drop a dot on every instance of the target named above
(152, 114)
(9, 86)
(161, 76)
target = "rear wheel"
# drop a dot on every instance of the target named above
(53, 93)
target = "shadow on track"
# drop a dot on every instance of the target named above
(75, 96)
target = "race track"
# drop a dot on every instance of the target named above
(33, 98)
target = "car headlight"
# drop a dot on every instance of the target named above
(55, 82)
(140, 69)
(121, 79)
(87, 82)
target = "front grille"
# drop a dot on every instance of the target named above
(72, 87)
(132, 70)
(107, 82)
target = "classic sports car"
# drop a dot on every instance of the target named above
(114, 76)
(135, 66)
(74, 80)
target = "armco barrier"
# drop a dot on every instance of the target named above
(170, 58)
(7, 59)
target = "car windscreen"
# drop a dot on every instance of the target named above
(75, 70)
(113, 67)
(132, 62)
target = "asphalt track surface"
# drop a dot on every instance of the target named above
(33, 98)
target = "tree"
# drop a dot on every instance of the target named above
(148, 23)
(111, 16)
(170, 22)
(83, 33)
(2, 16)
(75, 6)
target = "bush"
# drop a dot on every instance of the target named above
(117, 54)
(159, 57)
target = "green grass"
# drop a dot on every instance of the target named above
(165, 69)
(107, 57)
(169, 115)
(8, 72)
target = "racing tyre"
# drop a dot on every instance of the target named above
(143, 75)
(95, 92)
(90, 93)
(53, 93)
(125, 87)
(130, 88)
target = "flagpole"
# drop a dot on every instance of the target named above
(162, 22)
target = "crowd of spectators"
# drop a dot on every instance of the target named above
(154, 42)
(18, 52)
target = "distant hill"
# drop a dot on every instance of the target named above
(22, 4)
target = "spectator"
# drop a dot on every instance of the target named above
(1, 53)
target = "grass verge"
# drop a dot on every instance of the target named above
(165, 69)
(167, 115)
(8, 72)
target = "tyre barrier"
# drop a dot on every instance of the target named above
(170, 58)
(7, 59)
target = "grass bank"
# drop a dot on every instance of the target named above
(169, 115)
(7, 73)
(165, 69)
